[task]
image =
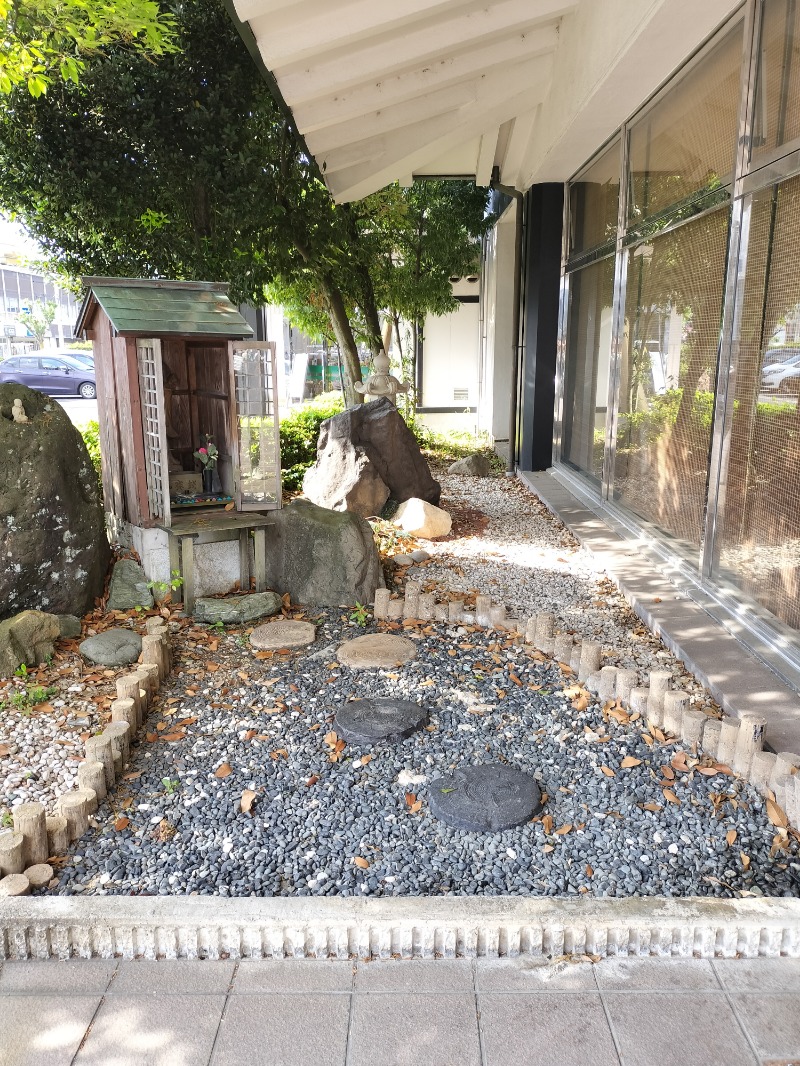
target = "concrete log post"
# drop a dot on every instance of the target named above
(395, 611)
(39, 875)
(441, 612)
(575, 658)
(74, 807)
(483, 610)
(411, 600)
(15, 885)
(784, 793)
(761, 768)
(659, 682)
(785, 762)
(728, 735)
(380, 609)
(498, 617)
(92, 775)
(749, 740)
(57, 834)
(591, 653)
(562, 648)
(692, 725)
(455, 610)
(608, 683)
(626, 683)
(427, 602)
(674, 705)
(98, 749)
(30, 820)
(12, 857)
(543, 636)
(637, 701)
(530, 630)
(710, 738)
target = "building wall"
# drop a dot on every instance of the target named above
(20, 290)
(496, 339)
(448, 363)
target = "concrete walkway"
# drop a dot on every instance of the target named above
(523, 1012)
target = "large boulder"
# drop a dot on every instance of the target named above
(322, 557)
(129, 587)
(53, 546)
(376, 430)
(344, 478)
(27, 638)
(236, 610)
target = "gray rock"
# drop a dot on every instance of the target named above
(401, 559)
(27, 638)
(419, 555)
(370, 720)
(344, 479)
(485, 798)
(128, 587)
(237, 610)
(476, 465)
(70, 625)
(53, 545)
(114, 647)
(378, 430)
(322, 557)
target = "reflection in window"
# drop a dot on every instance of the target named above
(594, 203)
(759, 547)
(684, 146)
(591, 293)
(776, 117)
(668, 368)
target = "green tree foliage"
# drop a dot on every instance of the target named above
(39, 320)
(46, 40)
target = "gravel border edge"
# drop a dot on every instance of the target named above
(279, 928)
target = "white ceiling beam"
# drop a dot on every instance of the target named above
(305, 30)
(419, 131)
(518, 142)
(489, 86)
(423, 78)
(403, 152)
(375, 59)
(248, 9)
(483, 168)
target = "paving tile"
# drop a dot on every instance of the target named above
(72, 977)
(292, 975)
(533, 975)
(640, 975)
(153, 1031)
(653, 1028)
(404, 1029)
(190, 977)
(43, 1030)
(773, 1023)
(415, 975)
(546, 1030)
(296, 1030)
(759, 975)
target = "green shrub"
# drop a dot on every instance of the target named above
(91, 438)
(299, 434)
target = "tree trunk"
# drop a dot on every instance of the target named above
(369, 309)
(351, 364)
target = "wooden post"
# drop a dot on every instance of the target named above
(244, 559)
(12, 859)
(29, 819)
(153, 652)
(119, 732)
(15, 885)
(92, 775)
(58, 833)
(74, 807)
(98, 749)
(90, 796)
(260, 558)
(125, 711)
(129, 688)
(149, 673)
(381, 606)
(187, 572)
(39, 875)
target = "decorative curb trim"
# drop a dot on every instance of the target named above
(423, 928)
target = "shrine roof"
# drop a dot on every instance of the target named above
(163, 307)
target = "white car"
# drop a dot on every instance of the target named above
(783, 376)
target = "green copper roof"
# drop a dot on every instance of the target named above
(158, 307)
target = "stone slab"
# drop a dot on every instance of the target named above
(283, 634)
(565, 1029)
(129, 587)
(264, 1029)
(376, 650)
(236, 610)
(404, 1028)
(484, 799)
(114, 647)
(369, 721)
(62, 1024)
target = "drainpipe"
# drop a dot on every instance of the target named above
(515, 321)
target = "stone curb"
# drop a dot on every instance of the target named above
(424, 928)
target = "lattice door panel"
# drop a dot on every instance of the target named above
(156, 456)
(255, 391)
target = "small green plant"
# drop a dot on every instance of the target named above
(171, 785)
(359, 615)
(218, 627)
(21, 670)
(19, 699)
(38, 694)
(6, 821)
(161, 588)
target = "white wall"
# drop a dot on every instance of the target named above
(450, 358)
(494, 404)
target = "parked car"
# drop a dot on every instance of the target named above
(55, 375)
(783, 376)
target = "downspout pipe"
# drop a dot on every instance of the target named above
(516, 314)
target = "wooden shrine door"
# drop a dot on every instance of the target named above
(156, 455)
(254, 397)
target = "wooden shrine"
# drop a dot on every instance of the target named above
(176, 365)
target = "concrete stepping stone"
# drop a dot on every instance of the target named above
(282, 634)
(368, 721)
(376, 650)
(487, 798)
(114, 647)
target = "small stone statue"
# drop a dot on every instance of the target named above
(18, 411)
(381, 382)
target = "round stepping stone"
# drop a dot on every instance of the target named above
(284, 634)
(485, 798)
(370, 720)
(114, 647)
(39, 875)
(376, 650)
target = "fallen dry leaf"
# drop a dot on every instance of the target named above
(132, 776)
(312, 780)
(745, 860)
(776, 814)
(651, 807)
(224, 770)
(589, 871)
(730, 836)
(415, 807)
(668, 772)
(670, 795)
(548, 847)
(4, 750)
(247, 801)
(365, 759)
(608, 771)
(362, 864)
(330, 739)
(212, 667)
(629, 761)
(411, 799)
(563, 830)
(121, 823)
(279, 753)
(547, 823)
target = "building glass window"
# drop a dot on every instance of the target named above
(776, 116)
(594, 203)
(683, 147)
(759, 540)
(591, 311)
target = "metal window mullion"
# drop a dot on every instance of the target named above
(618, 326)
(561, 353)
